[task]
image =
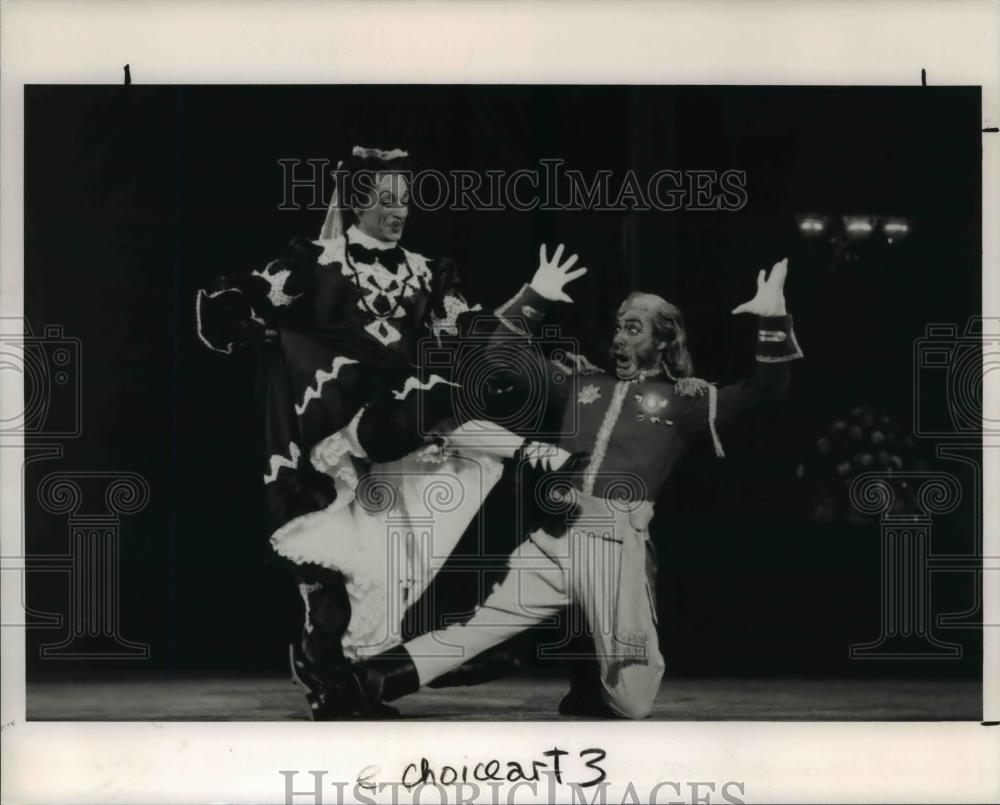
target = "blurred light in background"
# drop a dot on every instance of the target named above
(845, 233)
(811, 225)
(895, 229)
(859, 226)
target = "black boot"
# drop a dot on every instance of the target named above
(483, 669)
(584, 697)
(326, 618)
(319, 654)
(584, 701)
(310, 678)
(362, 688)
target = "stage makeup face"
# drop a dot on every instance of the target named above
(384, 214)
(635, 347)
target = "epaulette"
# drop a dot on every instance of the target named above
(691, 386)
(696, 387)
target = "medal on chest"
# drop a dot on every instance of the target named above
(588, 394)
(652, 405)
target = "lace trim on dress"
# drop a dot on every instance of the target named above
(454, 306)
(332, 455)
(333, 251)
(323, 376)
(276, 285)
(415, 384)
(278, 461)
(202, 294)
(373, 280)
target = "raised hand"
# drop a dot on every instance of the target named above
(551, 277)
(770, 297)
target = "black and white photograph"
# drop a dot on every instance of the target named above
(407, 407)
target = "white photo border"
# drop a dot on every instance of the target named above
(727, 42)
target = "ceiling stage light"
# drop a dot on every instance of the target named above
(895, 229)
(859, 226)
(811, 224)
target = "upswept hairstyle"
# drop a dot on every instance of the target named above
(668, 325)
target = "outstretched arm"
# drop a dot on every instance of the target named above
(776, 347)
(518, 321)
(522, 314)
(396, 424)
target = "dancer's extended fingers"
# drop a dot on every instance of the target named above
(569, 262)
(543, 255)
(572, 275)
(779, 272)
(558, 255)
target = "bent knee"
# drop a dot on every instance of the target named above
(634, 705)
(635, 693)
(630, 707)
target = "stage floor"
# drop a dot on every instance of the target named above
(517, 698)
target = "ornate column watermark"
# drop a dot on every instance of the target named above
(94, 503)
(907, 628)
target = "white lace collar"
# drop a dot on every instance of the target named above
(355, 235)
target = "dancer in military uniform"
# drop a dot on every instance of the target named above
(635, 424)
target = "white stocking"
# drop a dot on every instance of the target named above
(485, 438)
(488, 438)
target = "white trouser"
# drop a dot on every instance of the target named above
(600, 565)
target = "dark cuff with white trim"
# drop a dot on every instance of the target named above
(776, 340)
(525, 310)
(225, 319)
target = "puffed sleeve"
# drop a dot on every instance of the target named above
(238, 308)
(449, 310)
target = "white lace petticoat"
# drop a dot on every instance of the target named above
(389, 531)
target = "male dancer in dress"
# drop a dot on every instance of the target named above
(340, 319)
(635, 424)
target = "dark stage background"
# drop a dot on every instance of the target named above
(136, 196)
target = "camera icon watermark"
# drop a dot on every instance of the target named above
(506, 382)
(951, 372)
(50, 367)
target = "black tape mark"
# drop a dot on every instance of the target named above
(128, 76)
(988, 723)
(991, 130)
(923, 77)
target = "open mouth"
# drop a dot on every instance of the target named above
(622, 362)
